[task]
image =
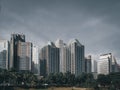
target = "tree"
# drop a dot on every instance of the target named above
(85, 80)
(90, 82)
(69, 79)
(115, 80)
(103, 80)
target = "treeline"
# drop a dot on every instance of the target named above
(14, 78)
(68, 79)
(86, 80)
(112, 81)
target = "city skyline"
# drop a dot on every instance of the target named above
(52, 58)
(93, 23)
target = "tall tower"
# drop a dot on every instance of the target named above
(104, 64)
(35, 60)
(77, 57)
(66, 59)
(24, 56)
(115, 65)
(4, 54)
(64, 56)
(88, 64)
(50, 58)
(15, 38)
(94, 66)
(59, 44)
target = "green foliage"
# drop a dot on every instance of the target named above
(104, 80)
(85, 80)
(115, 80)
(26, 78)
(68, 79)
(17, 78)
(112, 81)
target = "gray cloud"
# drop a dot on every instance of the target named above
(94, 22)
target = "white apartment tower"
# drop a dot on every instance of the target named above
(64, 56)
(104, 64)
(94, 66)
(35, 60)
(59, 44)
(4, 62)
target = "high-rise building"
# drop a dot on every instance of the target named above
(35, 60)
(4, 54)
(64, 56)
(115, 66)
(24, 55)
(15, 38)
(60, 44)
(104, 64)
(43, 61)
(49, 59)
(94, 66)
(88, 64)
(60, 57)
(77, 57)
(66, 59)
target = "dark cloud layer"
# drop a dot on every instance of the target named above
(94, 22)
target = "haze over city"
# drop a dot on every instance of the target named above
(94, 23)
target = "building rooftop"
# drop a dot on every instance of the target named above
(74, 41)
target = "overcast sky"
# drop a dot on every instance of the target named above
(95, 23)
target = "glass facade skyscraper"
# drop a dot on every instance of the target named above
(76, 57)
(64, 56)
(15, 38)
(88, 64)
(49, 59)
(24, 56)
